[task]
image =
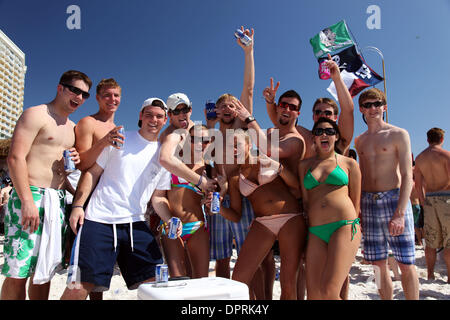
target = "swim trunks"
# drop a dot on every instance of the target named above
(222, 231)
(98, 246)
(22, 249)
(377, 209)
(436, 211)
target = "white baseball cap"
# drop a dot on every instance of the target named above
(177, 98)
(149, 102)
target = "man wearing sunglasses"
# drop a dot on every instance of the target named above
(34, 238)
(385, 159)
(323, 107)
(180, 110)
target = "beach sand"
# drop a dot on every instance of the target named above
(362, 283)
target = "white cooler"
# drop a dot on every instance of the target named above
(210, 288)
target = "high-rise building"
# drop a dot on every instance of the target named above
(12, 84)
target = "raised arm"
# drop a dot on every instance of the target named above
(249, 71)
(346, 117)
(269, 94)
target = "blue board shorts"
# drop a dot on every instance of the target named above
(377, 210)
(222, 231)
(98, 246)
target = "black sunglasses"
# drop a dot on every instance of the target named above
(176, 112)
(320, 131)
(327, 113)
(289, 106)
(369, 105)
(76, 91)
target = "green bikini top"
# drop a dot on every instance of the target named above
(337, 177)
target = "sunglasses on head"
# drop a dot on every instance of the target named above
(184, 110)
(202, 139)
(285, 105)
(320, 131)
(369, 105)
(327, 113)
(76, 91)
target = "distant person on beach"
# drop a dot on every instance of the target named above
(97, 131)
(266, 183)
(331, 188)
(35, 216)
(323, 107)
(4, 198)
(113, 227)
(384, 153)
(433, 186)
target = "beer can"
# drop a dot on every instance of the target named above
(69, 165)
(245, 39)
(324, 71)
(119, 144)
(210, 107)
(215, 203)
(173, 227)
(161, 275)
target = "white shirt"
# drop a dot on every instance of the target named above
(131, 175)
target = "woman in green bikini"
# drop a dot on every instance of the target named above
(331, 190)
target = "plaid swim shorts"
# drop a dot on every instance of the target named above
(222, 231)
(377, 209)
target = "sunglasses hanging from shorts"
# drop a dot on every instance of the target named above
(184, 110)
(76, 91)
(369, 105)
(320, 131)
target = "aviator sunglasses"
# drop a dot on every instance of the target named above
(369, 105)
(176, 112)
(76, 91)
(285, 105)
(320, 131)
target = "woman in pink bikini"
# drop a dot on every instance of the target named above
(266, 184)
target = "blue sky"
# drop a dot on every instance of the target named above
(155, 48)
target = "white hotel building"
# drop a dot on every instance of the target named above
(12, 83)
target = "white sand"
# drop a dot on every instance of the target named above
(362, 287)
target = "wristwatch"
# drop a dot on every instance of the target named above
(250, 119)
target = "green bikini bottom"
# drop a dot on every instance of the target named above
(325, 231)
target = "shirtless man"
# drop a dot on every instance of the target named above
(97, 131)
(386, 166)
(323, 107)
(433, 186)
(36, 168)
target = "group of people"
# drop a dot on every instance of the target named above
(289, 187)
